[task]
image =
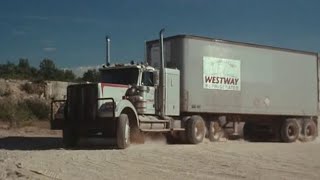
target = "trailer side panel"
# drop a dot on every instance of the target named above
(224, 77)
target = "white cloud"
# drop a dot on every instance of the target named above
(49, 49)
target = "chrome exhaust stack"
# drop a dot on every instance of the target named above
(107, 50)
(161, 78)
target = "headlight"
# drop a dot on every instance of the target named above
(108, 106)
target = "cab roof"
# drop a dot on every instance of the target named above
(126, 66)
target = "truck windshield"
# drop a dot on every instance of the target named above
(124, 76)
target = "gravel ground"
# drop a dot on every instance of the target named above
(37, 153)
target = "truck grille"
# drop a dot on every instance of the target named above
(82, 103)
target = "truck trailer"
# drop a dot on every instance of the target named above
(191, 87)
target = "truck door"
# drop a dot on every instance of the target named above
(149, 96)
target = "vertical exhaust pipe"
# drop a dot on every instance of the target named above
(107, 50)
(145, 52)
(161, 78)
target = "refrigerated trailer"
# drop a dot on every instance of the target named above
(192, 87)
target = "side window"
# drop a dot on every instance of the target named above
(147, 78)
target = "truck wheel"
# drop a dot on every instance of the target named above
(289, 130)
(195, 130)
(309, 130)
(182, 137)
(176, 137)
(247, 131)
(69, 137)
(171, 139)
(123, 132)
(215, 132)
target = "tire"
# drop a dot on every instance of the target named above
(289, 130)
(247, 131)
(175, 138)
(215, 131)
(234, 137)
(195, 130)
(309, 130)
(182, 137)
(170, 139)
(123, 132)
(69, 137)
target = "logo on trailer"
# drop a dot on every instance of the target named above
(221, 74)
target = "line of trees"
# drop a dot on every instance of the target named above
(47, 71)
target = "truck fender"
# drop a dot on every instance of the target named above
(125, 106)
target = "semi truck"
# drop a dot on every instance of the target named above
(192, 87)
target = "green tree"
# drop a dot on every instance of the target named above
(34, 72)
(69, 75)
(23, 63)
(48, 69)
(8, 70)
(23, 68)
(92, 75)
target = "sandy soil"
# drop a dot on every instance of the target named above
(37, 153)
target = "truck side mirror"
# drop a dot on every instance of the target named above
(156, 78)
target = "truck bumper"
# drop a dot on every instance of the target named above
(105, 127)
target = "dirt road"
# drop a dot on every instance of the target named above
(38, 154)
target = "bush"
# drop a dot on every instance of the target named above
(14, 113)
(32, 88)
(5, 91)
(27, 87)
(39, 109)
(23, 112)
(6, 109)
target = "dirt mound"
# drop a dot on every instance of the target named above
(22, 102)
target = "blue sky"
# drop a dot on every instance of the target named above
(72, 33)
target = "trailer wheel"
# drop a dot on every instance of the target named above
(123, 132)
(195, 130)
(247, 131)
(176, 137)
(171, 139)
(289, 130)
(215, 131)
(69, 137)
(309, 130)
